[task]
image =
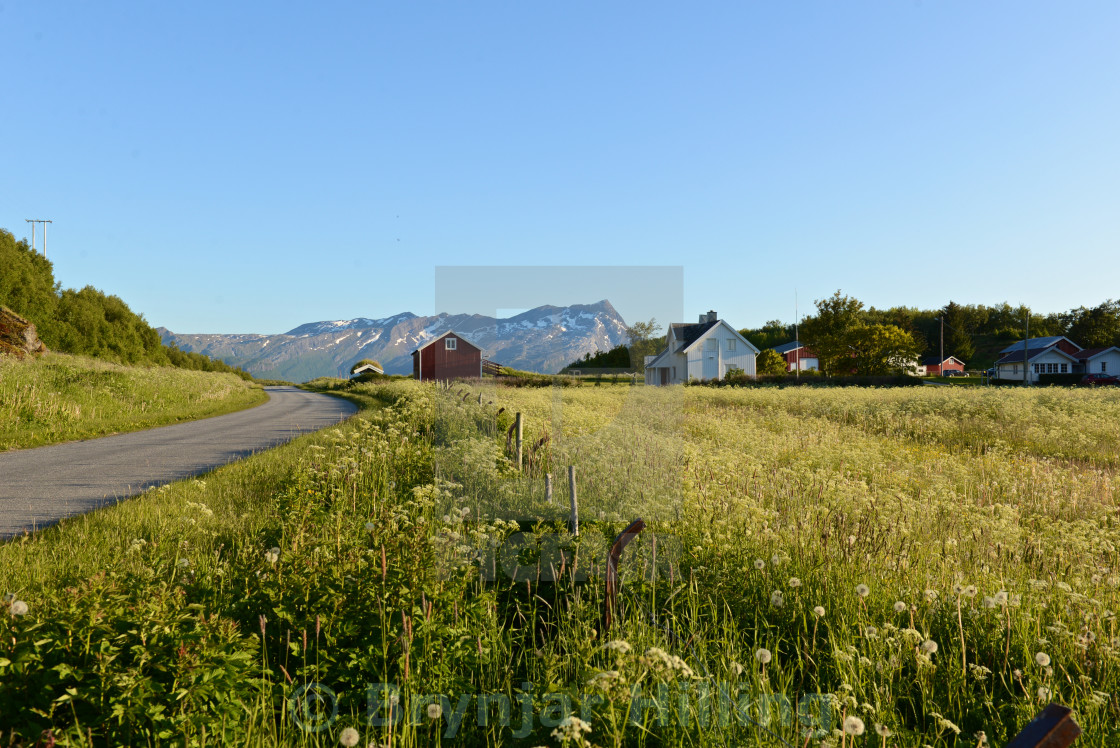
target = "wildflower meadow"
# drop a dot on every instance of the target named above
(826, 567)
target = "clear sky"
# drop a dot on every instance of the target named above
(250, 166)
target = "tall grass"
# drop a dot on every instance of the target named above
(799, 560)
(58, 398)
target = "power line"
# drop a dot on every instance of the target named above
(43, 221)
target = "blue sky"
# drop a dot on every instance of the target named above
(247, 167)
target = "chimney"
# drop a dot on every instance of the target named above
(703, 318)
(712, 316)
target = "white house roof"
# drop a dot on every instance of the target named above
(441, 337)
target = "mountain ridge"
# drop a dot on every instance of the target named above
(542, 339)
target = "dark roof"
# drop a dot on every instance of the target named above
(936, 360)
(1090, 352)
(1037, 343)
(787, 347)
(1017, 356)
(689, 334)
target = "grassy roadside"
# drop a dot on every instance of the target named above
(60, 398)
(811, 560)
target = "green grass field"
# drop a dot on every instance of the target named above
(59, 398)
(922, 565)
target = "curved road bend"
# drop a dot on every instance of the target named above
(41, 486)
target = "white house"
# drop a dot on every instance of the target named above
(1100, 360)
(364, 368)
(1050, 359)
(709, 349)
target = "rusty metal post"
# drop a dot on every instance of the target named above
(1052, 728)
(573, 520)
(610, 599)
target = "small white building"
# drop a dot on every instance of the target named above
(366, 368)
(709, 349)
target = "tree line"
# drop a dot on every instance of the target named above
(86, 322)
(849, 338)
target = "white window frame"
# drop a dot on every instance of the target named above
(450, 344)
(731, 344)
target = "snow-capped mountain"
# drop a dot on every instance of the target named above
(544, 339)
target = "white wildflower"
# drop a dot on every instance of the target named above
(763, 656)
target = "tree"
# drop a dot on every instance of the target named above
(770, 363)
(829, 333)
(883, 349)
(644, 341)
(1098, 327)
(958, 341)
(774, 332)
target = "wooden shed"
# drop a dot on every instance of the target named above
(449, 356)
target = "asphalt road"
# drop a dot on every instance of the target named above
(40, 486)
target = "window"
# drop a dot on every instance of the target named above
(1065, 368)
(450, 343)
(731, 344)
(1015, 369)
(1104, 366)
(1036, 369)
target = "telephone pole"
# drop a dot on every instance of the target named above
(43, 221)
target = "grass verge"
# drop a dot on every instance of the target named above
(58, 398)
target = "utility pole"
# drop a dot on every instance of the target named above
(941, 363)
(796, 338)
(1026, 378)
(43, 221)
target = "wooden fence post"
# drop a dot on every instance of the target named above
(520, 427)
(573, 521)
(548, 488)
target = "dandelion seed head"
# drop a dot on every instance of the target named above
(348, 737)
(19, 608)
(763, 656)
(435, 711)
(863, 590)
(818, 611)
(899, 607)
(794, 582)
(1042, 659)
(759, 564)
(929, 646)
(883, 730)
(853, 725)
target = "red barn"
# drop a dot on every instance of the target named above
(450, 356)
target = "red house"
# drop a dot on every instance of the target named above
(933, 366)
(450, 356)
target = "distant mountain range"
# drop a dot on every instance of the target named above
(544, 339)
